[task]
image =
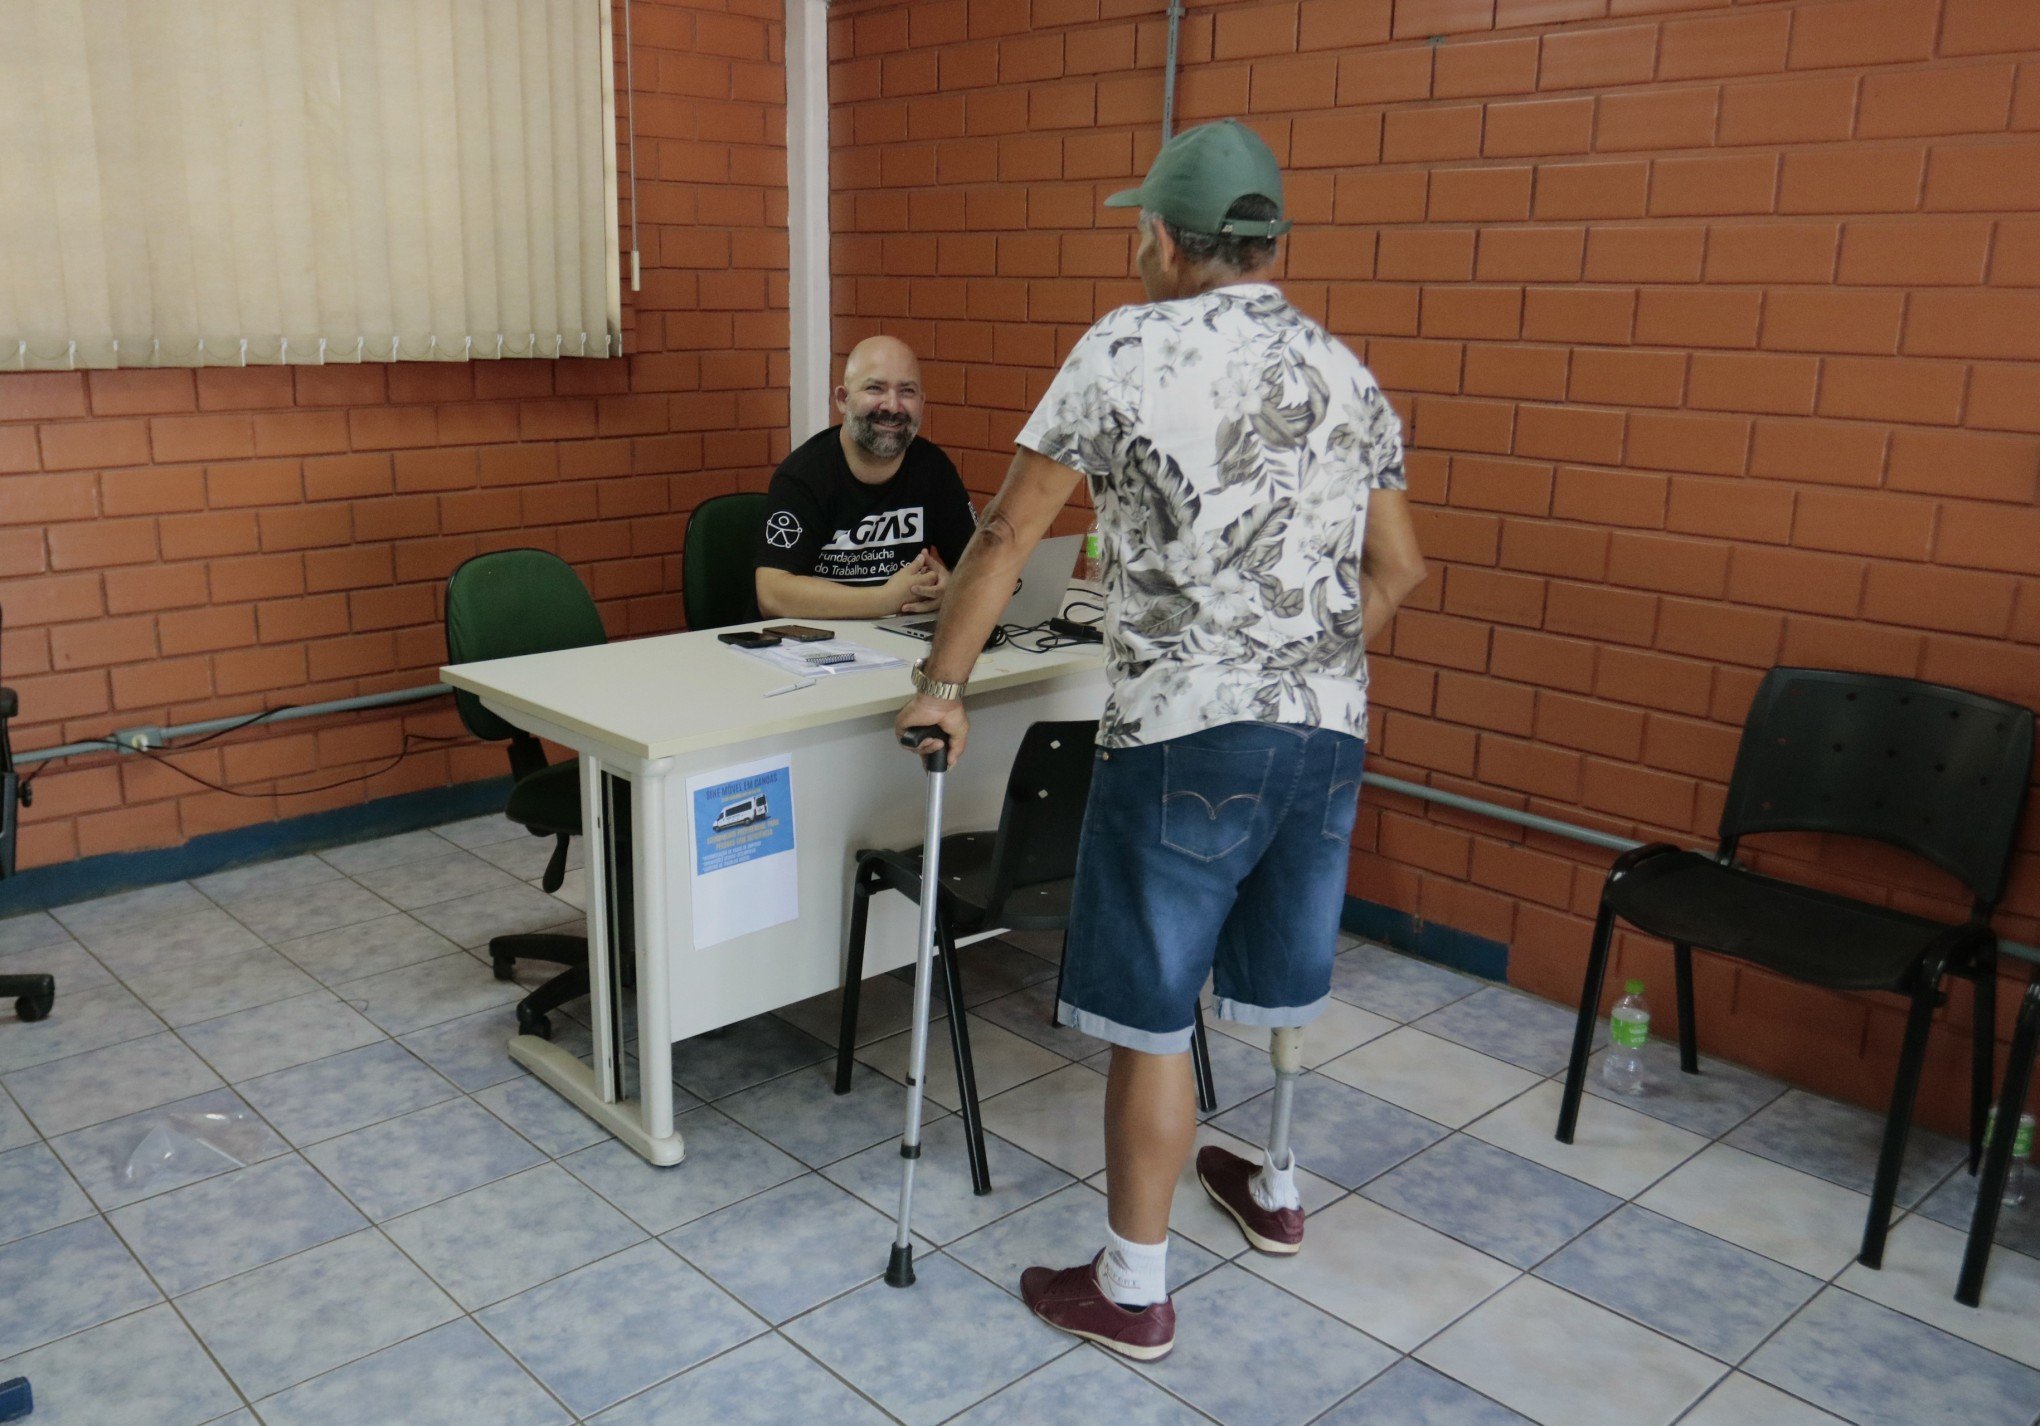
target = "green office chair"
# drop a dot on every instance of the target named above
(719, 564)
(498, 606)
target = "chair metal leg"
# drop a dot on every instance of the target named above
(966, 1072)
(1905, 1091)
(1200, 1063)
(1583, 1030)
(1982, 1051)
(853, 980)
(1997, 1162)
(1055, 1005)
(1689, 1037)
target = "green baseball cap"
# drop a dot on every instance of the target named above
(1201, 172)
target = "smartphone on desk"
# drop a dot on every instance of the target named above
(750, 639)
(800, 633)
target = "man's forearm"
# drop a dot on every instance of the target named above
(1377, 606)
(782, 595)
(978, 594)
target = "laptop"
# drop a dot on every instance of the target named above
(1038, 598)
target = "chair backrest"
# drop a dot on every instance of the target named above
(1044, 808)
(508, 603)
(1937, 771)
(10, 781)
(719, 561)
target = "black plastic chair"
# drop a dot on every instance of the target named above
(502, 605)
(1017, 878)
(33, 995)
(1935, 771)
(1997, 1155)
(719, 560)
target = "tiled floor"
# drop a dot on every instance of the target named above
(406, 1229)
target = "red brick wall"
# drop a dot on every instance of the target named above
(1714, 326)
(179, 545)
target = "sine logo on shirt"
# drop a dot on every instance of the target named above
(782, 530)
(881, 530)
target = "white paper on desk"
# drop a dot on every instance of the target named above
(742, 853)
(792, 657)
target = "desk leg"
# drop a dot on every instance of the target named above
(1997, 1157)
(617, 869)
(654, 966)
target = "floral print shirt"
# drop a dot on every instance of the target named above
(1230, 443)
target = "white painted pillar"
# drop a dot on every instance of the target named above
(807, 214)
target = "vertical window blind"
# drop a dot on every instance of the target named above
(225, 182)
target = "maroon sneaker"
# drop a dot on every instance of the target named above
(1071, 1301)
(1224, 1175)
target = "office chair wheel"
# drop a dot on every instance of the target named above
(35, 1007)
(534, 1022)
(505, 967)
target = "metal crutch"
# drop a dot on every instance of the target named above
(899, 1268)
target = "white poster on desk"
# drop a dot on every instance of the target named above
(744, 856)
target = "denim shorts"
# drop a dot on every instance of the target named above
(1221, 853)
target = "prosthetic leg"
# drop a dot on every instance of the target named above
(1285, 1050)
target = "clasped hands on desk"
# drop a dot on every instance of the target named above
(651, 713)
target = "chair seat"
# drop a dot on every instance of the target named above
(549, 800)
(1798, 931)
(967, 881)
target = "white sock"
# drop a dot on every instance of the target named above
(1134, 1275)
(1274, 1187)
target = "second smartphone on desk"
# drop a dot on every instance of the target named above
(771, 637)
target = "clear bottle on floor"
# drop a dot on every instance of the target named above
(1628, 1032)
(2018, 1183)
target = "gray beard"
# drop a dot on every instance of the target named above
(879, 441)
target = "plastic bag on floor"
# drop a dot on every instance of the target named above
(189, 1143)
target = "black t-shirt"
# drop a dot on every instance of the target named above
(823, 521)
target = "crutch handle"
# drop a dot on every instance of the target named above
(937, 761)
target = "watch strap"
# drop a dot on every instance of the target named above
(933, 687)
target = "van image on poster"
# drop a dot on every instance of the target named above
(741, 813)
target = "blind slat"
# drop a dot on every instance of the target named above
(219, 181)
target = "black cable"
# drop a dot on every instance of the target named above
(28, 779)
(250, 721)
(422, 739)
(1045, 639)
(164, 755)
(247, 722)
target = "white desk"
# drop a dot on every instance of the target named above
(653, 712)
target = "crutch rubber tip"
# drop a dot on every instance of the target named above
(899, 1268)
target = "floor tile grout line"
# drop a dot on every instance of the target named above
(1079, 1347)
(1347, 1192)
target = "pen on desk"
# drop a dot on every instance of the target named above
(793, 687)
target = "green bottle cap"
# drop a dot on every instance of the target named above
(1634, 987)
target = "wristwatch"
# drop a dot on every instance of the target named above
(935, 688)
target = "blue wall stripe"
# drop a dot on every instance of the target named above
(1461, 950)
(65, 882)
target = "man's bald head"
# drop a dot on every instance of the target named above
(880, 397)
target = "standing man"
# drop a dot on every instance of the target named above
(865, 519)
(1248, 479)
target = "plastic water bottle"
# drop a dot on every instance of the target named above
(1091, 562)
(2017, 1182)
(1628, 1031)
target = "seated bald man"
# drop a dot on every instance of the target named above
(866, 519)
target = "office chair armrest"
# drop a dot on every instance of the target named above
(556, 867)
(10, 705)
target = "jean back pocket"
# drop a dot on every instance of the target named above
(1342, 799)
(1211, 798)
